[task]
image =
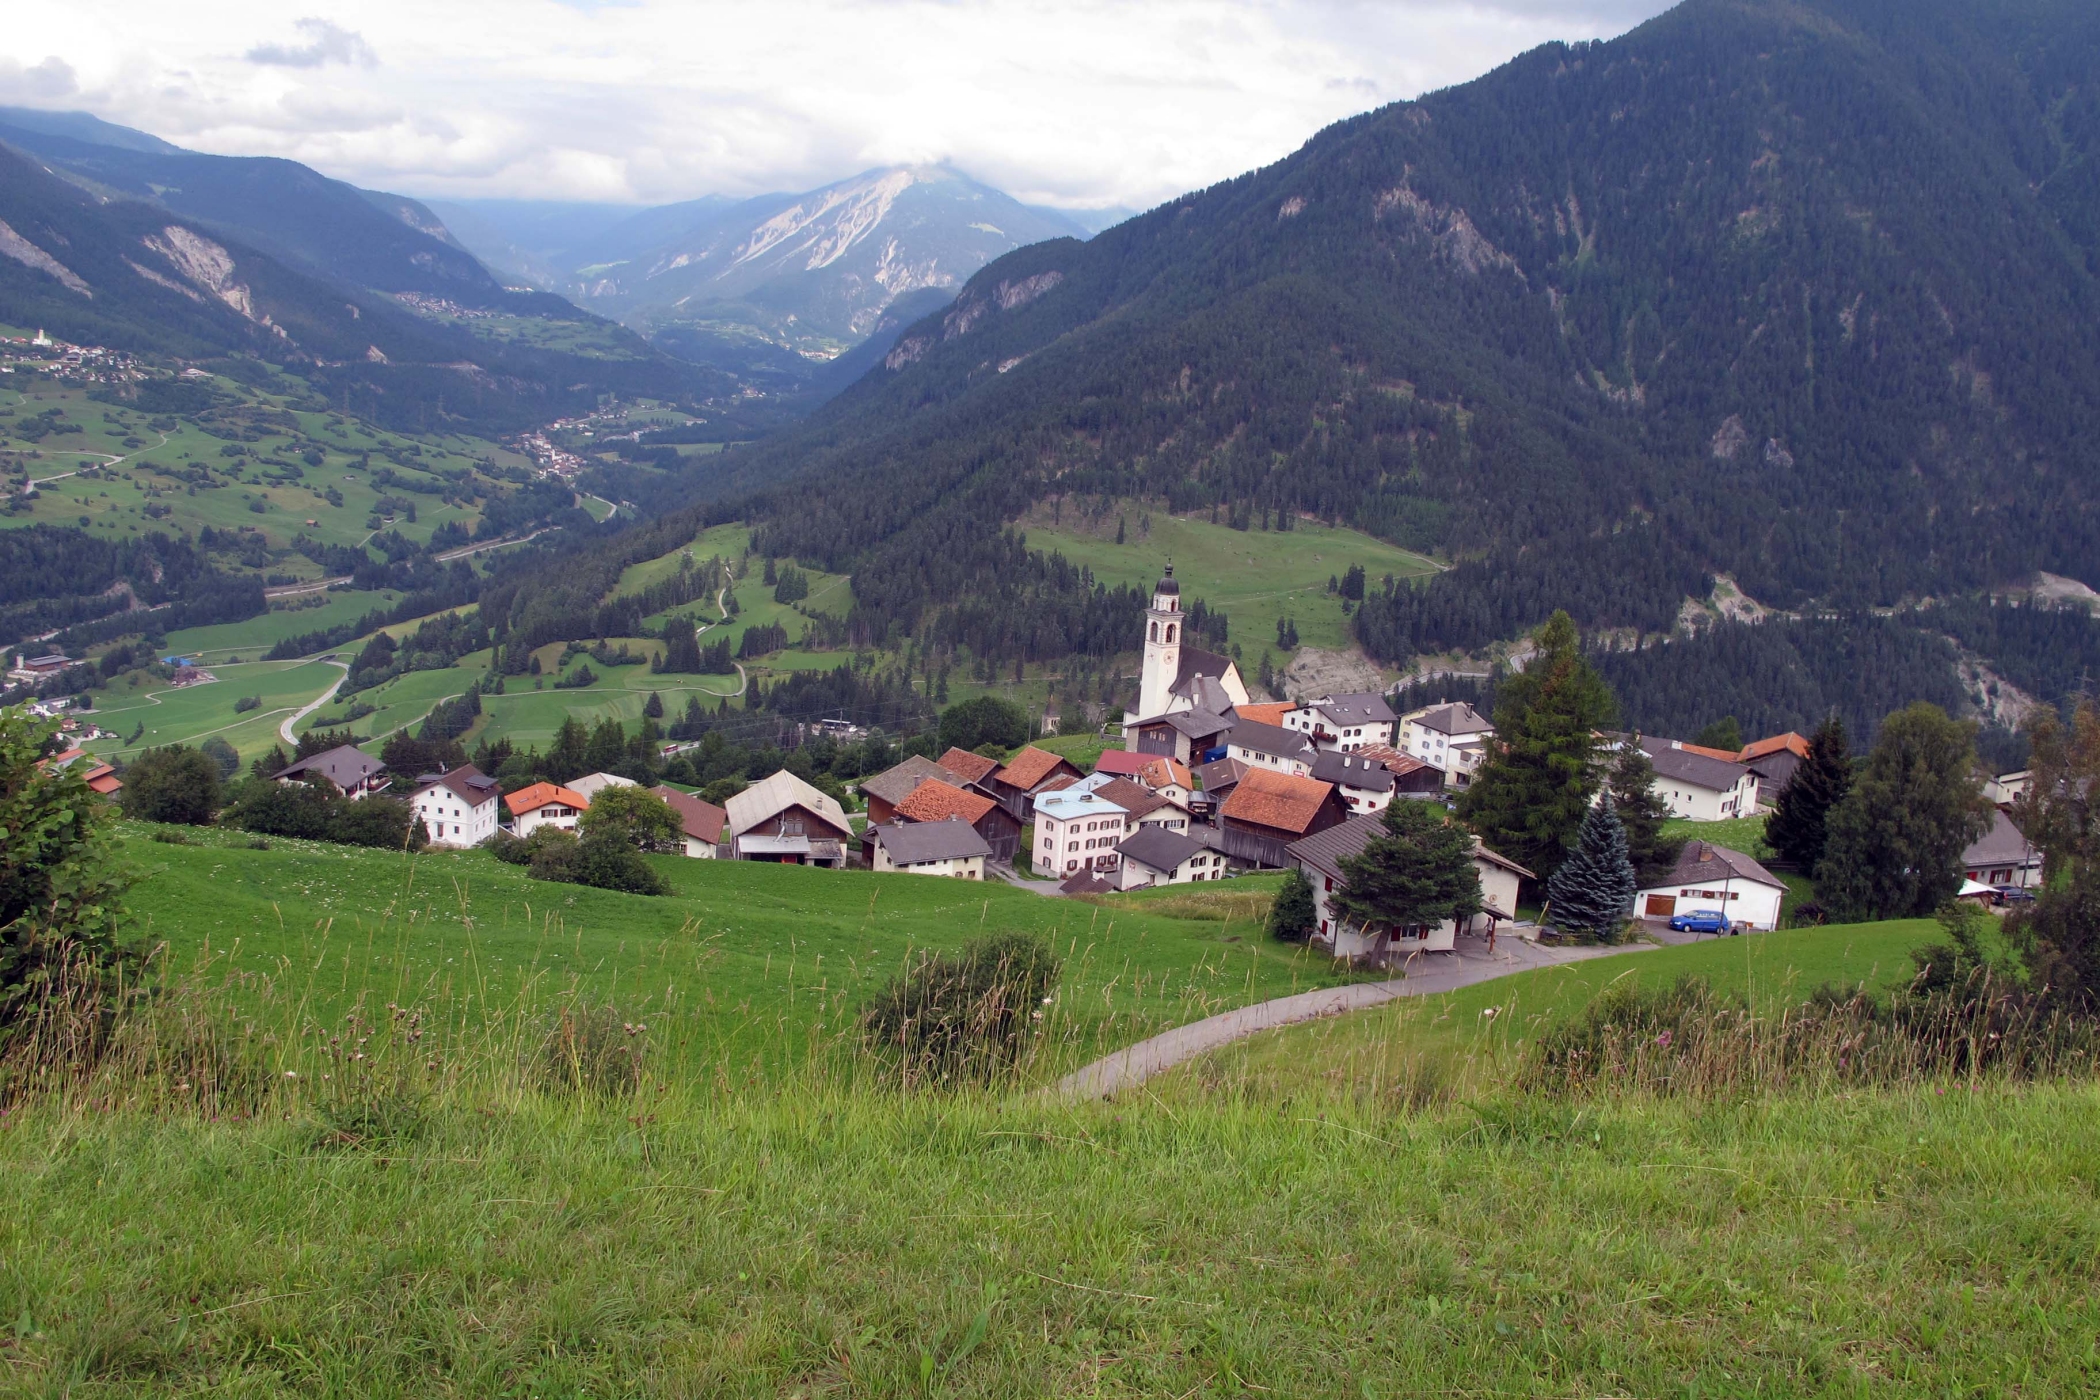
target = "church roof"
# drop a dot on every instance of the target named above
(1167, 585)
(1195, 663)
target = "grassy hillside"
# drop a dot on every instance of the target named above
(757, 963)
(194, 713)
(1255, 576)
(1471, 1036)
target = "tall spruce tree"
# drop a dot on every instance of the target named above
(1642, 811)
(1528, 800)
(1895, 843)
(1592, 891)
(1417, 873)
(1797, 829)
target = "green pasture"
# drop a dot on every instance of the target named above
(399, 703)
(194, 713)
(258, 634)
(1745, 834)
(1255, 576)
(1481, 1026)
(755, 962)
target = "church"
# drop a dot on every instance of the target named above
(1186, 695)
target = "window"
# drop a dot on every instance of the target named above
(1155, 631)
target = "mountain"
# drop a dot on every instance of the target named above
(383, 241)
(1798, 291)
(132, 275)
(538, 241)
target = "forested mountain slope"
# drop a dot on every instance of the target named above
(1800, 292)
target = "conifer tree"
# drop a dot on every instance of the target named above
(567, 757)
(1894, 845)
(1418, 873)
(1642, 812)
(1529, 798)
(1592, 891)
(653, 707)
(1796, 829)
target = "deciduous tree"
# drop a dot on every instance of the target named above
(1895, 843)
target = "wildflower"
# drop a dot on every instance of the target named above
(1663, 1040)
(291, 1074)
(1488, 1013)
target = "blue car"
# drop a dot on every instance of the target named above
(1700, 921)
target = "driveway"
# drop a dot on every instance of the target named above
(1433, 972)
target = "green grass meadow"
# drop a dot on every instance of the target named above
(195, 713)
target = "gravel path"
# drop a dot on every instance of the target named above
(1436, 972)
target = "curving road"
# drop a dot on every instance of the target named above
(284, 731)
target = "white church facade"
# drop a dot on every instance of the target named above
(1177, 678)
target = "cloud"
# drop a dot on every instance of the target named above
(40, 82)
(329, 43)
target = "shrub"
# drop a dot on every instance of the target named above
(577, 679)
(222, 753)
(247, 703)
(965, 1015)
(172, 784)
(309, 812)
(1291, 916)
(984, 720)
(589, 1049)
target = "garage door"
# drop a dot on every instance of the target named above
(1660, 906)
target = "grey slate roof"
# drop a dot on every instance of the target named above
(1270, 739)
(1354, 771)
(346, 766)
(1220, 776)
(1457, 720)
(1714, 774)
(1160, 849)
(2002, 845)
(1196, 724)
(1358, 708)
(1325, 850)
(467, 782)
(914, 843)
(893, 785)
(1702, 862)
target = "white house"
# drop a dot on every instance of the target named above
(2008, 788)
(952, 848)
(1365, 783)
(1320, 857)
(459, 807)
(1077, 828)
(544, 804)
(2002, 856)
(1452, 737)
(591, 784)
(1713, 877)
(1698, 786)
(1175, 676)
(1343, 723)
(1272, 747)
(1155, 856)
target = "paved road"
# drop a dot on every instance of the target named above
(1435, 972)
(284, 731)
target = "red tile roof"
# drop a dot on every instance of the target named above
(1056, 784)
(1725, 755)
(934, 801)
(1265, 713)
(1793, 743)
(1265, 797)
(967, 766)
(1162, 771)
(703, 821)
(540, 794)
(1029, 767)
(1122, 762)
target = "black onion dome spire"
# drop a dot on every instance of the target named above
(1166, 584)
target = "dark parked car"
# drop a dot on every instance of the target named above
(2012, 894)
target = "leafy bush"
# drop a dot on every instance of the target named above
(966, 1015)
(984, 720)
(601, 859)
(247, 703)
(577, 679)
(172, 784)
(1291, 916)
(309, 812)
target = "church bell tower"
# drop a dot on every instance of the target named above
(1163, 623)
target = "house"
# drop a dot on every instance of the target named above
(952, 848)
(1123, 763)
(703, 823)
(1170, 778)
(457, 807)
(47, 664)
(1453, 738)
(591, 784)
(1410, 774)
(2008, 788)
(1774, 761)
(1154, 856)
(353, 772)
(1265, 711)
(938, 801)
(1085, 882)
(1698, 785)
(1707, 876)
(1267, 810)
(1015, 785)
(1077, 829)
(1319, 858)
(1365, 783)
(967, 767)
(886, 789)
(1343, 723)
(544, 804)
(100, 777)
(2002, 856)
(1218, 779)
(1175, 676)
(1144, 806)
(1261, 745)
(785, 820)
(1186, 736)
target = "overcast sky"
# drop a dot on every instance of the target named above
(1075, 104)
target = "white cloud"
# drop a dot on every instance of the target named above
(1077, 102)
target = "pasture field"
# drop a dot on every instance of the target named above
(194, 713)
(1255, 576)
(259, 634)
(1473, 1034)
(755, 965)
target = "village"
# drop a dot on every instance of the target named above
(1209, 784)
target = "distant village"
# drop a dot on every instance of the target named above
(87, 364)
